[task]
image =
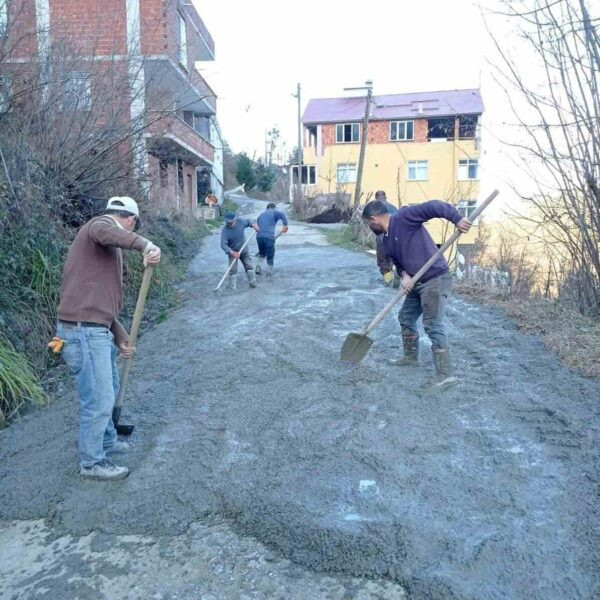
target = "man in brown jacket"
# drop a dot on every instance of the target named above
(91, 298)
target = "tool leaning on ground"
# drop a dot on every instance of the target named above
(234, 261)
(356, 345)
(124, 375)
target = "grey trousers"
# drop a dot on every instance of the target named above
(428, 299)
(245, 259)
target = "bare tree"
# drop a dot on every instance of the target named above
(560, 122)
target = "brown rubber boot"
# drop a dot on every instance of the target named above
(410, 341)
(443, 370)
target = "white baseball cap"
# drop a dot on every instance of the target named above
(124, 203)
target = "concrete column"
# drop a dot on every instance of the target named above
(137, 87)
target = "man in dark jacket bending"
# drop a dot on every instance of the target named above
(408, 244)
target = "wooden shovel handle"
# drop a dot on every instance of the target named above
(426, 266)
(135, 328)
(235, 260)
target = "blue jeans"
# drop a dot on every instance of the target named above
(428, 299)
(90, 354)
(266, 249)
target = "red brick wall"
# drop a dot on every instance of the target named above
(153, 25)
(21, 39)
(328, 135)
(89, 27)
(421, 129)
(163, 198)
(379, 132)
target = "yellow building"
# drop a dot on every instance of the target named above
(420, 147)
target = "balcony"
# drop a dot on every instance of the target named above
(186, 89)
(170, 137)
(202, 42)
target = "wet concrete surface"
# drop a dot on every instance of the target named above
(246, 419)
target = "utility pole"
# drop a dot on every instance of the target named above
(299, 150)
(363, 140)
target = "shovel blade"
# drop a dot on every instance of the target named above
(124, 429)
(356, 346)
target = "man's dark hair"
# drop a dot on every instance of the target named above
(375, 208)
(271, 205)
(380, 195)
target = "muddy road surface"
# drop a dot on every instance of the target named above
(264, 468)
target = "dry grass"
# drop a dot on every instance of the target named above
(573, 337)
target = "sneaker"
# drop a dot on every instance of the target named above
(104, 471)
(119, 447)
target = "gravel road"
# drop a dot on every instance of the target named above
(264, 468)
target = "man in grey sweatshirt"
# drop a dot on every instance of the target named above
(233, 238)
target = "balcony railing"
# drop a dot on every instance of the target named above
(174, 138)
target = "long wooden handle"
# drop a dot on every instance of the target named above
(235, 260)
(426, 266)
(135, 328)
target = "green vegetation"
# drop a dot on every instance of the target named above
(345, 237)
(33, 245)
(19, 385)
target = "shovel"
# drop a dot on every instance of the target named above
(124, 375)
(356, 345)
(234, 261)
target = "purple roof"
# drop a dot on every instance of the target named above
(395, 106)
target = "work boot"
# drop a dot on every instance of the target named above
(104, 471)
(259, 262)
(269, 270)
(443, 370)
(232, 283)
(251, 278)
(119, 447)
(410, 341)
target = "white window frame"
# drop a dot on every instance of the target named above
(80, 98)
(183, 55)
(343, 125)
(345, 180)
(5, 92)
(415, 165)
(405, 138)
(3, 17)
(466, 208)
(311, 174)
(463, 169)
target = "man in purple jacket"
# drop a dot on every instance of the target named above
(409, 246)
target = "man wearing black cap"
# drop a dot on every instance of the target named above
(233, 238)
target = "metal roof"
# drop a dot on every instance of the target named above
(395, 106)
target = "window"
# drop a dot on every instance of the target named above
(402, 130)
(346, 173)
(163, 170)
(183, 57)
(440, 128)
(346, 133)
(466, 208)
(309, 174)
(417, 170)
(3, 17)
(468, 169)
(5, 92)
(77, 92)
(467, 126)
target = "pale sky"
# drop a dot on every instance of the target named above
(264, 48)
